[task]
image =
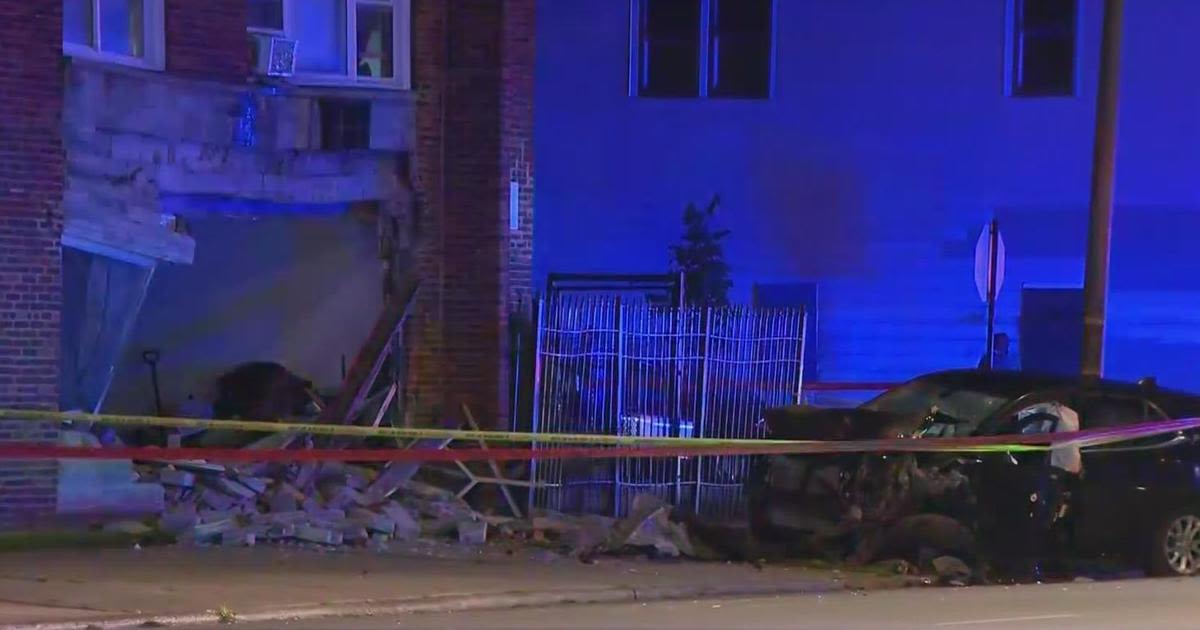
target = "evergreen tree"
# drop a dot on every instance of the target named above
(700, 257)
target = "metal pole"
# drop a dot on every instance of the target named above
(700, 430)
(1095, 284)
(535, 420)
(993, 275)
(803, 350)
(620, 402)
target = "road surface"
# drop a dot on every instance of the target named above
(1115, 604)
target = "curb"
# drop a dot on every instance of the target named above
(466, 602)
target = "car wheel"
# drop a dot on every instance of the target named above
(1175, 546)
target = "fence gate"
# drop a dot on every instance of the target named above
(612, 367)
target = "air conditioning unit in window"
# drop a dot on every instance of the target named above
(274, 56)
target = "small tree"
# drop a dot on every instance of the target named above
(700, 257)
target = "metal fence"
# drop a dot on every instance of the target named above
(604, 366)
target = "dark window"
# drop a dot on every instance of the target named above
(669, 48)
(1099, 412)
(740, 48)
(345, 124)
(1043, 47)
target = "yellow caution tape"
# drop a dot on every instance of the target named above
(386, 432)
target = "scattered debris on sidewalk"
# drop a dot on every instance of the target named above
(209, 504)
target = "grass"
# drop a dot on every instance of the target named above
(74, 539)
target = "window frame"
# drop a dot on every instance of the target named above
(707, 60)
(153, 36)
(1012, 50)
(401, 46)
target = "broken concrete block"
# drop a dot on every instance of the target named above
(208, 532)
(952, 571)
(216, 500)
(177, 478)
(376, 523)
(238, 538)
(326, 514)
(345, 496)
(354, 533)
(285, 518)
(282, 502)
(213, 516)
(178, 520)
(257, 485)
(318, 535)
(231, 487)
(279, 532)
(407, 526)
(472, 532)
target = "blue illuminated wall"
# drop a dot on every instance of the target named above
(889, 142)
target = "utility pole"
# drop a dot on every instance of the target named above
(1095, 283)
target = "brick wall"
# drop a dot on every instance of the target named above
(31, 175)
(473, 66)
(207, 39)
(517, 139)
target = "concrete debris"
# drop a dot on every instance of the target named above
(952, 571)
(472, 532)
(210, 504)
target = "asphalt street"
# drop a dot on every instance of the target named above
(1115, 604)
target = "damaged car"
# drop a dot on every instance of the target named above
(1138, 500)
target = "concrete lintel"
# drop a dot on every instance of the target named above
(132, 242)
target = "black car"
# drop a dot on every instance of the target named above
(1137, 499)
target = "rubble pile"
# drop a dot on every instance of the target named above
(210, 504)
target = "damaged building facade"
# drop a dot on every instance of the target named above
(186, 186)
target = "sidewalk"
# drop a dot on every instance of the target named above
(128, 587)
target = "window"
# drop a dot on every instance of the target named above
(701, 48)
(1042, 47)
(345, 124)
(122, 31)
(740, 41)
(339, 41)
(669, 50)
(1102, 412)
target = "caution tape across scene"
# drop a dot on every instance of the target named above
(583, 446)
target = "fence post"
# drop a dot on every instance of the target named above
(535, 422)
(620, 406)
(702, 421)
(803, 346)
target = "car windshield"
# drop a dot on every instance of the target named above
(956, 411)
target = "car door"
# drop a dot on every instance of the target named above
(1108, 494)
(1012, 487)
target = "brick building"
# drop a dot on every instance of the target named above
(156, 168)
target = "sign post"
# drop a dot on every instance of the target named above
(989, 277)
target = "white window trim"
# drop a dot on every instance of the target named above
(401, 42)
(153, 32)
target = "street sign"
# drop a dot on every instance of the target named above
(983, 261)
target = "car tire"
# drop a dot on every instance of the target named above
(1174, 545)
